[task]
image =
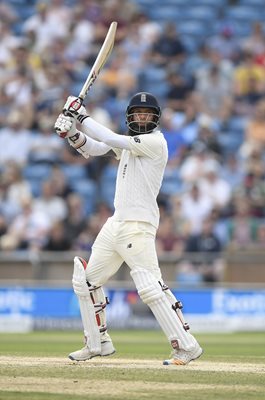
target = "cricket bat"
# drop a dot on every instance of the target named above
(101, 59)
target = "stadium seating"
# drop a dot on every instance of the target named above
(35, 174)
(252, 3)
(154, 80)
(36, 171)
(167, 13)
(193, 28)
(244, 14)
(88, 191)
(200, 13)
(74, 172)
(171, 183)
(107, 184)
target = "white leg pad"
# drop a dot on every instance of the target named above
(87, 309)
(152, 294)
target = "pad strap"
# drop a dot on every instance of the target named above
(176, 305)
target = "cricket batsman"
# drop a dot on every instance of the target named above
(129, 235)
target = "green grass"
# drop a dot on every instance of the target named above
(124, 375)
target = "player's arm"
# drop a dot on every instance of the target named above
(100, 133)
(65, 126)
(95, 130)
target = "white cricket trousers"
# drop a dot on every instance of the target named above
(131, 242)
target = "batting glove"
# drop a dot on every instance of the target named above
(74, 108)
(65, 126)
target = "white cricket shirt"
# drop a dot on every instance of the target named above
(143, 160)
(139, 178)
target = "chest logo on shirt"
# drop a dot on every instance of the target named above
(137, 139)
(124, 170)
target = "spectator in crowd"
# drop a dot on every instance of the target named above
(168, 50)
(255, 42)
(214, 94)
(253, 185)
(249, 83)
(186, 121)
(135, 49)
(15, 136)
(50, 21)
(178, 92)
(225, 43)
(194, 163)
(8, 12)
(115, 10)
(8, 41)
(45, 147)
(207, 137)
(28, 230)
(203, 254)
(8, 209)
(18, 188)
(167, 241)
(119, 74)
(174, 137)
(59, 181)
(3, 226)
(52, 206)
(242, 226)
(148, 28)
(259, 244)
(57, 238)
(92, 227)
(233, 170)
(75, 221)
(86, 238)
(254, 134)
(5, 104)
(182, 226)
(212, 185)
(81, 35)
(196, 206)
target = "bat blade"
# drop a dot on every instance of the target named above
(101, 59)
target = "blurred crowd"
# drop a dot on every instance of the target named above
(213, 99)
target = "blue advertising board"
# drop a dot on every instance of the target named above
(57, 308)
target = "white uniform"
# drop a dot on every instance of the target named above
(130, 234)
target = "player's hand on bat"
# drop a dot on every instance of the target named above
(74, 107)
(65, 126)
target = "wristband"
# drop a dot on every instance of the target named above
(81, 118)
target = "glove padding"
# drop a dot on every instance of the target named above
(74, 107)
(65, 126)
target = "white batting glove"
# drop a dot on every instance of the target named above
(65, 126)
(74, 108)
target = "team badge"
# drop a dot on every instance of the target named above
(143, 98)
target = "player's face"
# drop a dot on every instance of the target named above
(142, 115)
